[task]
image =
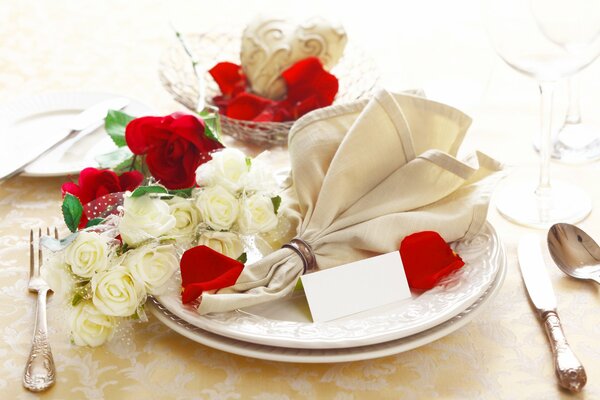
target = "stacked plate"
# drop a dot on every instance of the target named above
(283, 330)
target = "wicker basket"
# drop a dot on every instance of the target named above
(356, 74)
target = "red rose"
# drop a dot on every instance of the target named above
(309, 87)
(94, 183)
(174, 147)
(203, 269)
(427, 258)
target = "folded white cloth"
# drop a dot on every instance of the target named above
(365, 175)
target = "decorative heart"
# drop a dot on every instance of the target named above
(269, 46)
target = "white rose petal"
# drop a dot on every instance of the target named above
(187, 216)
(58, 276)
(260, 178)
(145, 218)
(257, 215)
(116, 292)
(87, 254)
(89, 326)
(206, 174)
(153, 266)
(226, 243)
(219, 208)
(230, 168)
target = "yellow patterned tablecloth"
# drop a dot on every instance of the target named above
(115, 46)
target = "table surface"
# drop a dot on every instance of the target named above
(440, 46)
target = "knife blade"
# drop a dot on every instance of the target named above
(87, 121)
(569, 371)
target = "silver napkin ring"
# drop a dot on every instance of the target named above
(305, 252)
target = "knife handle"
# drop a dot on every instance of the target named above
(569, 370)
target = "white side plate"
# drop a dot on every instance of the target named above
(26, 122)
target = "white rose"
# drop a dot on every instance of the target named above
(206, 174)
(87, 254)
(230, 167)
(116, 292)
(145, 218)
(226, 243)
(218, 207)
(260, 178)
(58, 276)
(89, 326)
(152, 266)
(186, 216)
(257, 215)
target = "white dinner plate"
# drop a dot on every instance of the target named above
(284, 354)
(35, 122)
(287, 323)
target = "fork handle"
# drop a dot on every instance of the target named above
(571, 374)
(40, 372)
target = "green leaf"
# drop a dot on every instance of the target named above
(115, 124)
(77, 297)
(243, 258)
(55, 245)
(72, 211)
(185, 193)
(248, 163)
(276, 203)
(142, 190)
(299, 286)
(115, 159)
(94, 222)
(212, 123)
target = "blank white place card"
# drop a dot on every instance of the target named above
(359, 286)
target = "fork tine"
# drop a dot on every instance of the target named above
(39, 250)
(55, 233)
(31, 253)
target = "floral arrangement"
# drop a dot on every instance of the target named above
(170, 199)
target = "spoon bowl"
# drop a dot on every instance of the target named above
(574, 252)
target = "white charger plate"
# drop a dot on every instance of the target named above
(284, 354)
(287, 323)
(36, 122)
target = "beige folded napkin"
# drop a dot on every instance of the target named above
(365, 175)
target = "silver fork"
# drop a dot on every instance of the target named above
(40, 372)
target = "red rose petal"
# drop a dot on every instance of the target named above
(130, 180)
(247, 106)
(138, 132)
(229, 77)
(427, 259)
(203, 269)
(306, 79)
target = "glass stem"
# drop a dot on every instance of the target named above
(573, 112)
(543, 189)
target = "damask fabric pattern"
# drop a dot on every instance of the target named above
(114, 46)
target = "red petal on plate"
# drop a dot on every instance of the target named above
(427, 258)
(203, 269)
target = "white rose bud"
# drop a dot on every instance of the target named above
(218, 207)
(230, 168)
(187, 216)
(145, 218)
(206, 174)
(116, 292)
(152, 266)
(89, 326)
(87, 254)
(257, 215)
(226, 243)
(260, 178)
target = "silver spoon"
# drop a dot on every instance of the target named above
(574, 252)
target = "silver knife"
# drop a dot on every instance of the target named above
(88, 120)
(569, 370)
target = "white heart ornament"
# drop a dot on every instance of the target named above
(270, 46)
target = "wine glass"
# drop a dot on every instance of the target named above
(577, 141)
(546, 40)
